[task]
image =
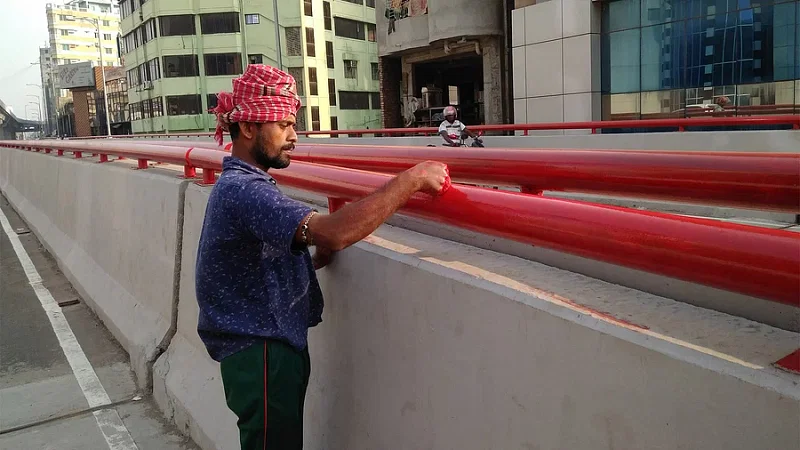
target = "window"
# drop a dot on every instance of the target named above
(223, 64)
(181, 105)
(136, 111)
(371, 32)
(371, 3)
(146, 111)
(335, 124)
(312, 81)
(301, 119)
(308, 8)
(349, 28)
(255, 59)
(310, 47)
(315, 124)
(106, 37)
(357, 2)
(219, 23)
(182, 25)
(130, 42)
(297, 74)
(109, 51)
(375, 100)
(149, 31)
(329, 54)
(157, 106)
(332, 91)
(252, 19)
(350, 68)
(353, 100)
(125, 11)
(64, 32)
(106, 23)
(212, 100)
(294, 43)
(326, 13)
(181, 66)
(375, 72)
(151, 70)
(65, 47)
(133, 77)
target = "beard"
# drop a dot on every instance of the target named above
(262, 157)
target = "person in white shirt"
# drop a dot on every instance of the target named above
(451, 129)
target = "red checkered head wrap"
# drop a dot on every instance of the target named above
(262, 94)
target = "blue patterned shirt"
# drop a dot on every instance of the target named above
(252, 283)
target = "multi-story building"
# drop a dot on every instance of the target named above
(637, 59)
(80, 31)
(179, 53)
(528, 61)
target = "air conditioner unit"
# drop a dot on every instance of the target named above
(147, 85)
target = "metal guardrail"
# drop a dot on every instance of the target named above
(751, 260)
(681, 124)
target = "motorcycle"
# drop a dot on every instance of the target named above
(477, 142)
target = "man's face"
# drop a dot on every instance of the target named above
(450, 118)
(273, 144)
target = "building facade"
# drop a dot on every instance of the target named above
(79, 31)
(436, 53)
(179, 53)
(577, 60)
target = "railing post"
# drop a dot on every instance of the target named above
(189, 172)
(525, 132)
(334, 204)
(681, 128)
(594, 130)
(59, 152)
(47, 151)
(77, 155)
(208, 176)
(142, 164)
(103, 158)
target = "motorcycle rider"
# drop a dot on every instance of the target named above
(452, 129)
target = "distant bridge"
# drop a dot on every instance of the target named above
(10, 124)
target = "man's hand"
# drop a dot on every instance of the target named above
(322, 257)
(429, 177)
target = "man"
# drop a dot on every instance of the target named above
(256, 287)
(452, 129)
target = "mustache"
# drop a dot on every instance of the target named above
(288, 147)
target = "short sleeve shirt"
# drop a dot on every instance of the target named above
(252, 282)
(453, 129)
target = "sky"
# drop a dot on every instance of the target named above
(23, 29)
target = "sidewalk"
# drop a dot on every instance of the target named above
(65, 383)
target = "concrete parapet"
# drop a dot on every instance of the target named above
(113, 231)
(425, 343)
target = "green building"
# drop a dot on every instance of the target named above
(179, 53)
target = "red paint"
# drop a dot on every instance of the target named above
(141, 164)
(335, 204)
(790, 362)
(750, 180)
(755, 261)
(103, 158)
(60, 152)
(77, 155)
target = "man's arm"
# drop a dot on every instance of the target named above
(446, 137)
(357, 220)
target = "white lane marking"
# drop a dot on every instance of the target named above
(114, 431)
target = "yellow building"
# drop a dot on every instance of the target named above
(73, 29)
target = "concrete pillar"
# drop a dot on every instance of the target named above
(556, 62)
(390, 74)
(492, 81)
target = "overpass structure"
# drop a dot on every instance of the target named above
(10, 124)
(567, 297)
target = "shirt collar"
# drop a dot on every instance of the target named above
(234, 163)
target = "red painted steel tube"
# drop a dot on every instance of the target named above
(756, 261)
(749, 180)
(768, 181)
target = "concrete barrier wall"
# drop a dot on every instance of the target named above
(427, 343)
(113, 231)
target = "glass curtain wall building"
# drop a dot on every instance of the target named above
(683, 58)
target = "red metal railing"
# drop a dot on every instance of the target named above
(767, 181)
(701, 120)
(751, 260)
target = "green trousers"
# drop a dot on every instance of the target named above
(265, 386)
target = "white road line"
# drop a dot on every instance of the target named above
(114, 431)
